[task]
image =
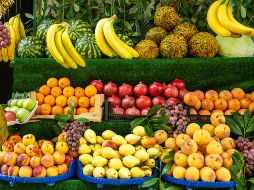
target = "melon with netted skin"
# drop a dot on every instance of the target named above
(147, 49)
(156, 34)
(126, 39)
(186, 29)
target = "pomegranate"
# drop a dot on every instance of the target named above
(124, 90)
(172, 101)
(181, 93)
(156, 89)
(140, 89)
(118, 110)
(171, 91)
(132, 111)
(98, 85)
(143, 102)
(178, 83)
(164, 86)
(144, 111)
(158, 100)
(128, 102)
(115, 100)
(110, 89)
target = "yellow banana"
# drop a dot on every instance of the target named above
(11, 47)
(1, 57)
(11, 21)
(213, 20)
(109, 32)
(101, 41)
(16, 29)
(50, 39)
(59, 45)
(232, 19)
(22, 30)
(71, 49)
(5, 55)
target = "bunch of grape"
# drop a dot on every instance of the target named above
(5, 39)
(177, 117)
(247, 148)
(74, 131)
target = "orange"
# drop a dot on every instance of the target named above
(92, 101)
(57, 110)
(39, 98)
(226, 95)
(252, 96)
(238, 93)
(91, 109)
(67, 108)
(193, 111)
(45, 90)
(200, 94)
(248, 96)
(75, 100)
(204, 112)
(245, 102)
(242, 111)
(45, 109)
(228, 112)
(190, 99)
(251, 107)
(220, 104)
(52, 82)
(234, 104)
(49, 99)
(56, 91)
(83, 102)
(218, 111)
(64, 82)
(207, 104)
(68, 91)
(82, 110)
(61, 101)
(79, 92)
(211, 95)
(198, 105)
(38, 110)
(90, 91)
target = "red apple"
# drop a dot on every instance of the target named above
(10, 116)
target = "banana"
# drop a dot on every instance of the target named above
(22, 30)
(11, 21)
(1, 57)
(71, 49)
(5, 55)
(110, 36)
(101, 41)
(11, 47)
(16, 29)
(59, 45)
(213, 20)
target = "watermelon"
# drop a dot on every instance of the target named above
(31, 47)
(47, 52)
(87, 47)
(78, 28)
(126, 39)
(43, 29)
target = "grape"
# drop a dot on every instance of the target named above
(5, 39)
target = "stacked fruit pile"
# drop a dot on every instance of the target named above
(224, 102)
(55, 97)
(25, 157)
(205, 153)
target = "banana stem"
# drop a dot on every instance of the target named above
(114, 17)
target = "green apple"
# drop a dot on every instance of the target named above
(14, 109)
(20, 103)
(22, 115)
(7, 109)
(29, 104)
(13, 102)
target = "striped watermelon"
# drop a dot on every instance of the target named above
(47, 53)
(78, 28)
(87, 47)
(43, 29)
(31, 47)
(126, 39)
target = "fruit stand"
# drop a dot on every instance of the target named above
(181, 104)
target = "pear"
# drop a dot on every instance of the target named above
(84, 149)
(130, 161)
(147, 170)
(95, 147)
(99, 161)
(82, 140)
(99, 140)
(111, 173)
(90, 136)
(88, 170)
(150, 162)
(159, 147)
(124, 173)
(108, 153)
(126, 149)
(85, 159)
(99, 172)
(139, 131)
(154, 153)
(139, 147)
(137, 172)
(108, 134)
(132, 139)
(115, 163)
(118, 140)
(97, 153)
(142, 155)
(118, 154)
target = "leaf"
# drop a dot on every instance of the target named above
(29, 16)
(233, 126)
(162, 111)
(61, 124)
(153, 110)
(83, 120)
(160, 127)
(238, 119)
(167, 167)
(56, 129)
(62, 117)
(159, 119)
(150, 182)
(76, 7)
(169, 156)
(246, 117)
(148, 131)
(162, 187)
(243, 12)
(251, 180)
(250, 126)
(137, 122)
(54, 139)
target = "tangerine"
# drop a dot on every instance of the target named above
(238, 93)
(45, 90)
(252, 96)
(226, 95)
(204, 112)
(56, 91)
(45, 109)
(49, 99)
(75, 100)
(61, 101)
(251, 107)
(82, 110)
(234, 104)
(68, 91)
(40, 98)
(245, 102)
(38, 110)
(57, 110)
(92, 101)
(52, 82)
(64, 82)
(79, 92)
(229, 112)
(83, 102)
(90, 91)
(242, 111)
(91, 109)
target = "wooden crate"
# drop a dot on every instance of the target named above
(95, 116)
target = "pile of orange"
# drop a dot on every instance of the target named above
(224, 102)
(54, 97)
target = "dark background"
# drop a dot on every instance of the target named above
(6, 72)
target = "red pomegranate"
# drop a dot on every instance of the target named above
(110, 89)
(132, 111)
(164, 86)
(158, 100)
(171, 91)
(156, 89)
(144, 111)
(172, 101)
(118, 110)
(178, 83)
(125, 90)
(98, 85)
(181, 93)
(128, 102)
(140, 89)
(143, 102)
(115, 100)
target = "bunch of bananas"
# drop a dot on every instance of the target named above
(7, 53)
(221, 20)
(109, 43)
(61, 48)
(18, 27)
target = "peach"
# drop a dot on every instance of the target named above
(198, 105)
(215, 139)
(68, 159)
(220, 104)
(202, 148)
(238, 93)
(13, 170)
(179, 172)
(62, 169)
(245, 102)
(39, 171)
(222, 131)
(207, 174)
(23, 160)
(209, 128)
(10, 158)
(109, 143)
(211, 95)
(15, 138)
(192, 173)
(62, 137)
(190, 99)
(231, 151)
(2, 155)
(228, 143)
(4, 169)
(200, 94)
(36, 145)
(251, 107)
(204, 112)
(74, 154)
(234, 104)
(207, 104)
(40, 142)
(223, 174)
(62, 147)
(181, 138)
(52, 171)
(191, 128)
(196, 160)
(252, 96)
(148, 142)
(20, 148)
(25, 171)
(189, 146)
(218, 111)
(59, 157)
(35, 161)
(213, 161)
(228, 112)
(8, 146)
(47, 148)
(160, 136)
(227, 160)
(242, 111)
(170, 143)
(226, 95)
(193, 111)
(47, 160)
(32, 150)
(28, 139)
(202, 137)
(170, 172)
(214, 147)
(180, 159)
(217, 118)
(248, 96)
